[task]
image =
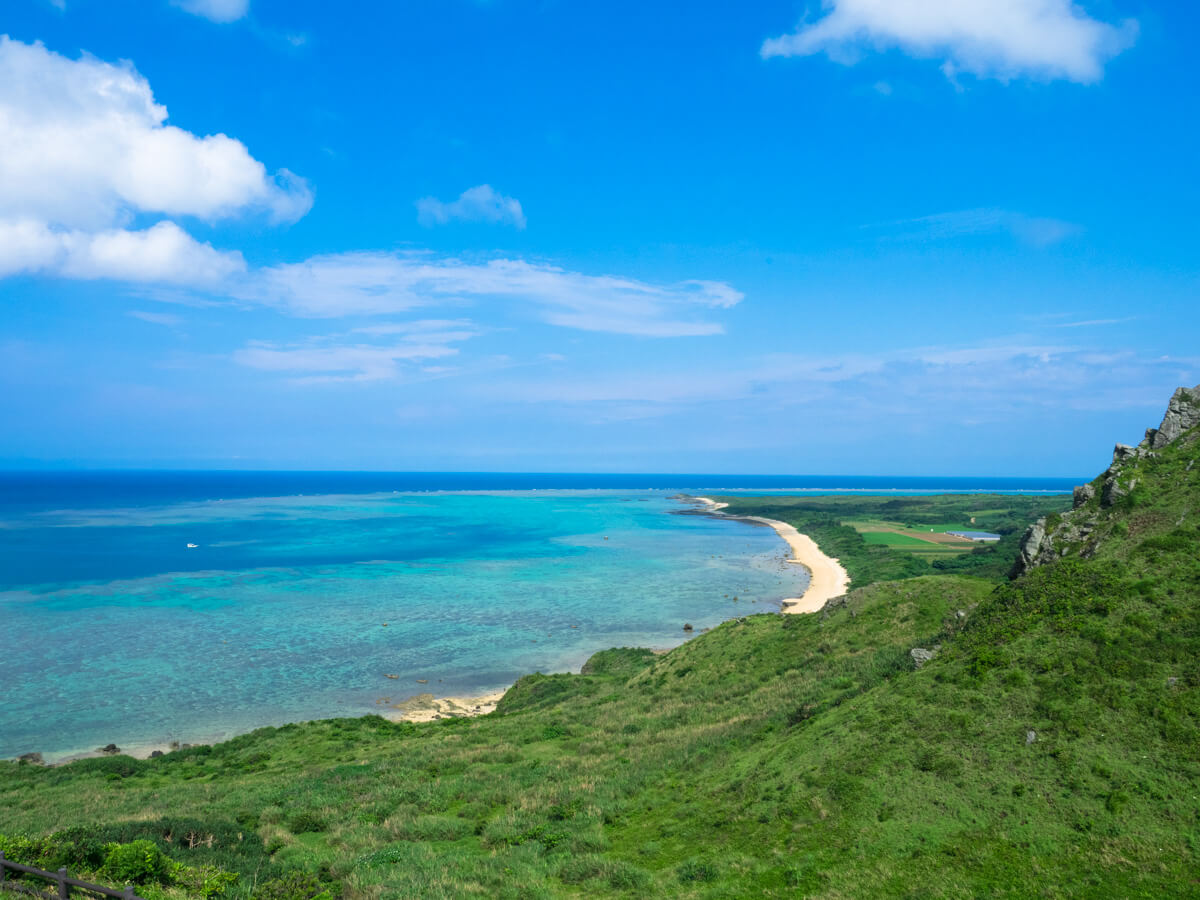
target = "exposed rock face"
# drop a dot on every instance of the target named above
(1052, 537)
(1183, 412)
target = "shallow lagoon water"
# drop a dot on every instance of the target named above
(117, 631)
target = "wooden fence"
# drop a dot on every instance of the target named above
(62, 883)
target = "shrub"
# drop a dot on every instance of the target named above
(293, 886)
(616, 874)
(433, 828)
(307, 821)
(696, 870)
(205, 881)
(139, 862)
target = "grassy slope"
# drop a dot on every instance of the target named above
(769, 757)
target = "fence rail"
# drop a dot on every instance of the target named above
(61, 880)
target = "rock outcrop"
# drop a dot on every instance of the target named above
(1183, 413)
(1052, 537)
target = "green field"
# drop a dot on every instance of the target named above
(891, 539)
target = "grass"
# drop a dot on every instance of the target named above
(892, 539)
(775, 756)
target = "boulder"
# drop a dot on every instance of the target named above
(920, 656)
(1083, 494)
(1031, 547)
(1030, 737)
(34, 759)
(1113, 490)
(109, 749)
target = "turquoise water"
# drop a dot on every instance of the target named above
(116, 630)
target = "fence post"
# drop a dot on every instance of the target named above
(128, 895)
(64, 889)
(3, 869)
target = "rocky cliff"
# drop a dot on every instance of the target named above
(1080, 531)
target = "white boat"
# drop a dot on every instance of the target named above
(193, 546)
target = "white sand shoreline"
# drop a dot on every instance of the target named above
(827, 578)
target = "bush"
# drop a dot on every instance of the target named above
(616, 874)
(204, 881)
(138, 862)
(25, 851)
(433, 828)
(307, 822)
(696, 870)
(293, 886)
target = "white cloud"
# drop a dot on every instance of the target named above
(481, 203)
(382, 284)
(216, 10)
(86, 150)
(86, 145)
(1003, 39)
(162, 254)
(1032, 230)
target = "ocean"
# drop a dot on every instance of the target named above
(147, 607)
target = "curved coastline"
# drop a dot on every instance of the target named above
(827, 577)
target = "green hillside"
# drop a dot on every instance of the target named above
(1049, 748)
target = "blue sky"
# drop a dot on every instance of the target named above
(860, 237)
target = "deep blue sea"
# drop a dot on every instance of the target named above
(115, 629)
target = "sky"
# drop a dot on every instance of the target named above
(892, 237)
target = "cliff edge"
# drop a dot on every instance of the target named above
(1080, 531)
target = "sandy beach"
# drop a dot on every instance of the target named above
(827, 578)
(426, 707)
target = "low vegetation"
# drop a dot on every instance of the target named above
(837, 524)
(1048, 747)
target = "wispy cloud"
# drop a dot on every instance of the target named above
(167, 320)
(965, 384)
(319, 362)
(221, 11)
(371, 353)
(481, 203)
(1031, 230)
(1044, 39)
(385, 283)
(1088, 323)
